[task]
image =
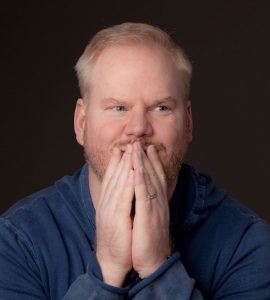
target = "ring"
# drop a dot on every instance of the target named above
(152, 196)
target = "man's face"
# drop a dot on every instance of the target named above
(135, 95)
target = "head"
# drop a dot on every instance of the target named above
(130, 34)
(134, 82)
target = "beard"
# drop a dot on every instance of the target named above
(98, 159)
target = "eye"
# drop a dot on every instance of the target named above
(118, 108)
(162, 108)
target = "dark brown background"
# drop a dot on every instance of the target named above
(228, 43)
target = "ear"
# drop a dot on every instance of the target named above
(80, 121)
(189, 122)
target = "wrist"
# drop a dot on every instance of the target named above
(113, 278)
(150, 270)
(112, 275)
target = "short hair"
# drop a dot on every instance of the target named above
(128, 34)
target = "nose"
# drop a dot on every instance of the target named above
(138, 125)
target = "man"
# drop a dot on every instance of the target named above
(135, 222)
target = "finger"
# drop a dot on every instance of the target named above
(157, 165)
(122, 174)
(113, 163)
(125, 205)
(143, 185)
(156, 192)
(152, 183)
(141, 193)
(124, 185)
(106, 189)
(151, 176)
(125, 162)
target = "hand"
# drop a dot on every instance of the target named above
(151, 236)
(113, 221)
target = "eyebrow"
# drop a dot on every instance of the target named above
(166, 99)
(106, 101)
(114, 101)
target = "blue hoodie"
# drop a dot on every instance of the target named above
(221, 248)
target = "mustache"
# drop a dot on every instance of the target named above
(122, 145)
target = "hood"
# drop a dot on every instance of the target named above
(195, 197)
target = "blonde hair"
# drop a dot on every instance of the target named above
(128, 34)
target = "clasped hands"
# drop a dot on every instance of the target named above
(124, 242)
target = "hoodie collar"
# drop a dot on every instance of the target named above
(194, 198)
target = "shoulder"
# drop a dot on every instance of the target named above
(214, 204)
(36, 211)
(220, 222)
(235, 218)
(226, 244)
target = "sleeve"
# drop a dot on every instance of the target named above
(19, 275)
(91, 285)
(246, 276)
(170, 281)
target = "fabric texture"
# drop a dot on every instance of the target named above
(221, 248)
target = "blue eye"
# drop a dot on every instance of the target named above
(162, 108)
(119, 108)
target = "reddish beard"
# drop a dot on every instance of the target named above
(98, 158)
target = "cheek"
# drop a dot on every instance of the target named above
(171, 133)
(103, 133)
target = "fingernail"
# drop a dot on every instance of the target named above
(129, 148)
(151, 148)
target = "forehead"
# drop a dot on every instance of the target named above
(138, 70)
